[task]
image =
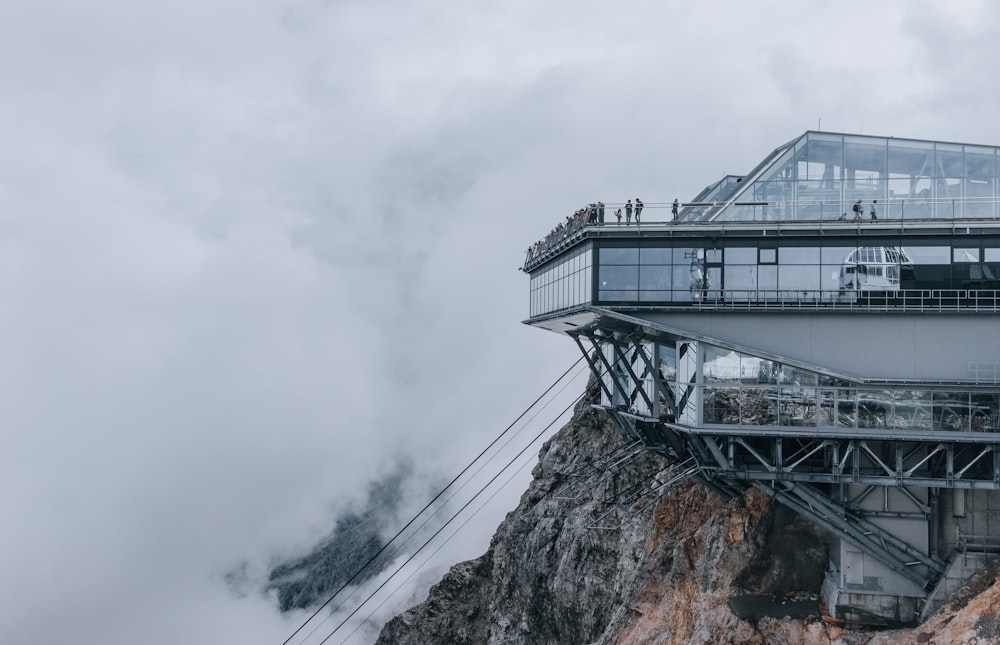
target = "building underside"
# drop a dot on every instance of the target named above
(849, 367)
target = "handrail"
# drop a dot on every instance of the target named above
(901, 300)
(940, 301)
(832, 212)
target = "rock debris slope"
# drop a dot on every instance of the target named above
(604, 548)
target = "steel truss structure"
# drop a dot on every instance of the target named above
(830, 475)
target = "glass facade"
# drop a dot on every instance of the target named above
(822, 176)
(562, 283)
(700, 384)
(742, 389)
(828, 269)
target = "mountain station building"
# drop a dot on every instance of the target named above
(825, 328)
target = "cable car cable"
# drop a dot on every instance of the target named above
(399, 547)
(452, 518)
(430, 503)
(476, 512)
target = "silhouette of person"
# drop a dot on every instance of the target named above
(873, 213)
(638, 210)
(618, 214)
(628, 213)
(857, 209)
(673, 209)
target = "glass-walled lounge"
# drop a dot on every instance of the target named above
(822, 176)
(823, 269)
(733, 388)
(565, 282)
(742, 389)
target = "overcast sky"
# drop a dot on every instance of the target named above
(253, 252)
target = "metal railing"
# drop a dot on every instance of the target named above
(840, 209)
(901, 300)
(833, 212)
(751, 405)
(985, 372)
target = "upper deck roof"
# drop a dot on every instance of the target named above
(817, 179)
(820, 174)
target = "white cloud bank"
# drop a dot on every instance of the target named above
(250, 253)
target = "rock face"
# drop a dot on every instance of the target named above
(610, 546)
(309, 580)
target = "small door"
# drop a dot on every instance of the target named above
(854, 567)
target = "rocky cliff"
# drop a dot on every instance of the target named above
(612, 544)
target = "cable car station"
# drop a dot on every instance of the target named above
(824, 328)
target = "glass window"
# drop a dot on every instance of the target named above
(668, 361)
(799, 255)
(682, 277)
(864, 157)
(965, 255)
(713, 255)
(655, 256)
(911, 408)
(825, 154)
(835, 254)
(929, 254)
(687, 255)
(750, 369)
(949, 161)
(758, 407)
(798, 278)
(611, 255)
(830, 381)
(743, 277)
(713, 283)
(979, 200)
(911, 158)
(768, 256)
(619, 277)
(741, 255)
(985, 410)
(767, 371)
(847, 407)
(721, 365)
(980, 163)
(991, 255)
(951, 410)
(909, 199)
(722, 405)
(655, 276)
(681, 295)
(797, 376)
(767, 277)
(831, 277)
(815, 202)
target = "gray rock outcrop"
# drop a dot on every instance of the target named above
(605, 548)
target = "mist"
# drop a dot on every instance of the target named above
(253, 256)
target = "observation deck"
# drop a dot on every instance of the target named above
(783, 336)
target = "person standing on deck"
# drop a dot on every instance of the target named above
(638, 210)
(628, 213)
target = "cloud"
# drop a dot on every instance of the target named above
(250, 254)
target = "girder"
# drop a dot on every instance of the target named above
(828, 474)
